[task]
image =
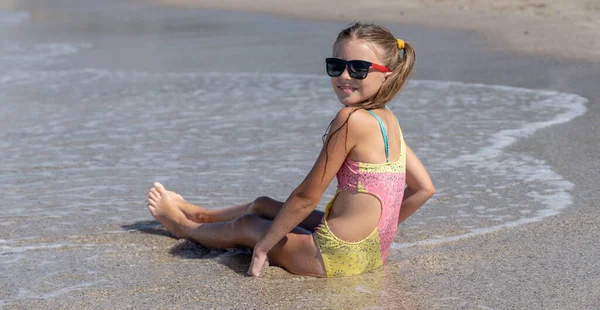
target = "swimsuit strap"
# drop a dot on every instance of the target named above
(384, 134)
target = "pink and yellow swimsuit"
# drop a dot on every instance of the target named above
(384, 181)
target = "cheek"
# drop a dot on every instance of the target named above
(372, 84)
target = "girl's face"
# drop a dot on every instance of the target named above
(352, 91)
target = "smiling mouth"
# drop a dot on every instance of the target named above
(347, 89)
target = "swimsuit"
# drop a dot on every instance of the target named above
(384, 181)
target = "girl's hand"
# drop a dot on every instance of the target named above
(259, 260)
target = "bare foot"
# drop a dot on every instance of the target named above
(161, 204)
(193, 212)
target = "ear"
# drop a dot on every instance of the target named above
(386, 75)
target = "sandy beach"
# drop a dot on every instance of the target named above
(566, 29)
(110, 254)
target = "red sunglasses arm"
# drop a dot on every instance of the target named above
(381, 68)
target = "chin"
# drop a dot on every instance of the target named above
(345, 99)
(349, 102)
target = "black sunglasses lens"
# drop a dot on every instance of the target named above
(358, 69)
(335, 66)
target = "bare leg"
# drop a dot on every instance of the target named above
(296, 252)
(264, 207)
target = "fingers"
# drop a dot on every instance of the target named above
(254, 270)
(258, 262)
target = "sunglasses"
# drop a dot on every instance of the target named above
(357, 69)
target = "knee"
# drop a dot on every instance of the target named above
(259, 204)
(247, 230)
(245, 221)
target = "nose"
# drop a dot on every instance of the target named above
(345, 74)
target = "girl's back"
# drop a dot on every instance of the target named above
(354, 214)
(361, 220)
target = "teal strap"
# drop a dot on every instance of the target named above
(384, 134)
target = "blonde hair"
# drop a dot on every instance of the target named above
(386, 46)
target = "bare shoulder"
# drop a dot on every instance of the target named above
(397, 119)
(357, 120)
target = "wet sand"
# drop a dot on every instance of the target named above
(545, 265)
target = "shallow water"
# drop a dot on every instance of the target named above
(85, 130)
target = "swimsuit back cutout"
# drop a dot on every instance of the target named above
(385, 181)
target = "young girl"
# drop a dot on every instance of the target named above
(380, 180)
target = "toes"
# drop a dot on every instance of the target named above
(159, 187)
(154, 195)
(155, 190)
(151, 209)
(152, 202)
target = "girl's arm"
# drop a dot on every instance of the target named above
(419, 186)
(305, 198)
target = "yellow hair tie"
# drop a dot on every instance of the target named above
(400, 44)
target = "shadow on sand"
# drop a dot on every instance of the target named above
(152, 227)
(237, 260)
